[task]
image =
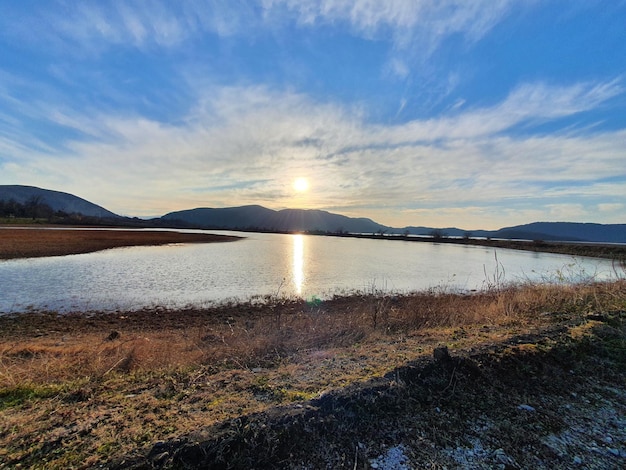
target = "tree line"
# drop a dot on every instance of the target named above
(33, 208)
(36, 209)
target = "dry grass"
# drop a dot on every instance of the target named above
(76, 389)
(265, 336)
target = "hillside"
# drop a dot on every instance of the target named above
(57, 200)
(261, 218)
(570, 231)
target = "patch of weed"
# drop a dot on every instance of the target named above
(19, 394)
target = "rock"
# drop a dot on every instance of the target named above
(441, 354)
(113, 336)
(607, 332)
(393, 459)
(159, 459)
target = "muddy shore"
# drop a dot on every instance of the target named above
(39, 242)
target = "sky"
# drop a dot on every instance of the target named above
(478, 114)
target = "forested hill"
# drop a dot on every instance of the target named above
(287, 220)
(35, 200)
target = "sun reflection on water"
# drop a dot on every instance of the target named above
(298, 263)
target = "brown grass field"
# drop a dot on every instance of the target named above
(32, 242)
(533, 377)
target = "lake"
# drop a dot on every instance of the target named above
(304, 266)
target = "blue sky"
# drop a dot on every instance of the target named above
(476, 114)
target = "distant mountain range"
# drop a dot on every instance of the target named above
(261, 218)
(291, 220)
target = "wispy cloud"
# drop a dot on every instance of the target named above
(528, 104)
(404, 21)
(146, 106)
(96, 25)
(142, 23)
(248, 144)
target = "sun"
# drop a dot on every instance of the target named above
(301, 184)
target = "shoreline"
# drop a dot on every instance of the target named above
(589, 249)
(531, 376)
(27, 242)
(75, 240)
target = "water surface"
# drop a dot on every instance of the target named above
(269, 264)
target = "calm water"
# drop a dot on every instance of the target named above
(266, 264)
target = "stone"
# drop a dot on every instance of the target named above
(113, 336)
(441, 354)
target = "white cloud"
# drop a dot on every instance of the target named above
(397, 67)
(541, 101)
(92, 25)
(403, 20)
(529, 103)
(188, 140)
(244, 145)
(611, 207)
(95, 25)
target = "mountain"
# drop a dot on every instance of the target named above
(57, 200)
(566, 231)
(546, 231)
(428, 231)
(261, 218)
(225, 218)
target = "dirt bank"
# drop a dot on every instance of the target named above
(35, 242)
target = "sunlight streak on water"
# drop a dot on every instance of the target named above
(298, 263)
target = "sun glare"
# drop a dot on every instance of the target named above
(301, 184)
